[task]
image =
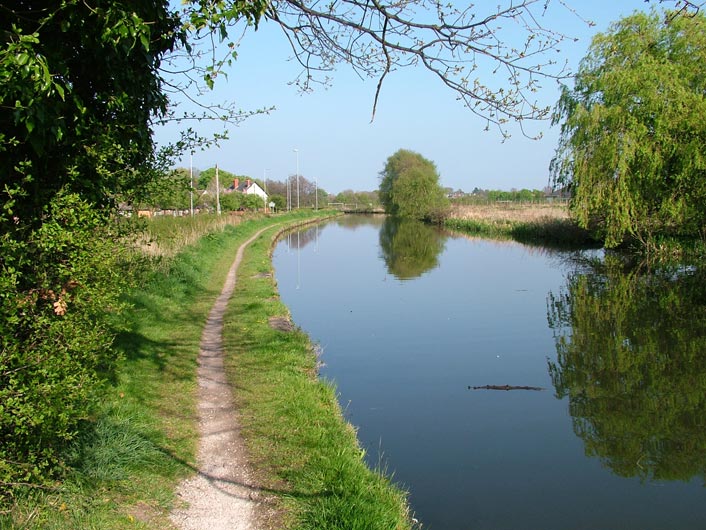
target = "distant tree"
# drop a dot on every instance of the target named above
(409, 187)
(251, 202)
(346, 197)
(634, 129)
(207, 178)
(171, 191)
(279, 200)
(230, 202)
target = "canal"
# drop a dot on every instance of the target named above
(604, 424)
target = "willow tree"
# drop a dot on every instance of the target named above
(409, 187)
(632, 147)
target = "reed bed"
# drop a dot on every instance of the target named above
(512, 212)
(537, 223)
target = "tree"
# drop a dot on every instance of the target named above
(231, 202)
(170, 192)
(409, 187)
(279, 200)
(634, 130)
(79, 90)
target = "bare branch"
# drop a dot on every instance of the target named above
(457, 45)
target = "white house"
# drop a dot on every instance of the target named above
(249, 187)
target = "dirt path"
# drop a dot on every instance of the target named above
(222, 494)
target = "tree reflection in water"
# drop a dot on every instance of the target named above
(410, 248)
(631, 357)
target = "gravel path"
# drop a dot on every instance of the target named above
(222, 494)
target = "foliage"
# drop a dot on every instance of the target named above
(126, 463)
(231, 202)
(280, 202)
(77, 116)
(630, 346)
(207, 178)
(235, 200)
(361, 198)
(172, 191)
(409, 187)
(80, 88)
(516, 195)
(409, 247)
(634, 130)
(58, 287)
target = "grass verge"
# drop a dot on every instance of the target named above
(299, 442)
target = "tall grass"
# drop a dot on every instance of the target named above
(166, 235)
(547, 224)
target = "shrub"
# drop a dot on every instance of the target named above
(59, 283)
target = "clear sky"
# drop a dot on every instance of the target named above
(341, 149)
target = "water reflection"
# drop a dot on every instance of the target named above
(630, 357)
(410, 248)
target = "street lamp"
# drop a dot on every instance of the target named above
(297, 152)
(191, 184)
(264, 180)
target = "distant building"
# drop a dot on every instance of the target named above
(248, 187)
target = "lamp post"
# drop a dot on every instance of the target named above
(264, 180)
(218, 193)
(297, 152)
(191, 185)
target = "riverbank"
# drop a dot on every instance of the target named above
(123, 471)
(545, 223)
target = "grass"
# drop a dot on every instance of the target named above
(126, 463)
(547, 224)
(297, 437)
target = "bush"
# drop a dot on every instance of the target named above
(59, 283)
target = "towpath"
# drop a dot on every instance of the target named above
(222, 494)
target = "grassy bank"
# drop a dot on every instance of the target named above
(122, 471)
(300, 445)
(528, 223)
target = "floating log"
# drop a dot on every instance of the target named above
(505, 387)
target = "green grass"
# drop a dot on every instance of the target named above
(301, 445)
(127, 461)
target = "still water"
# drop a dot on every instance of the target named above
(410, 319)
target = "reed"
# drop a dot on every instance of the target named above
(528, 223)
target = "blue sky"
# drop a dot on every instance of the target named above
(340, 147)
